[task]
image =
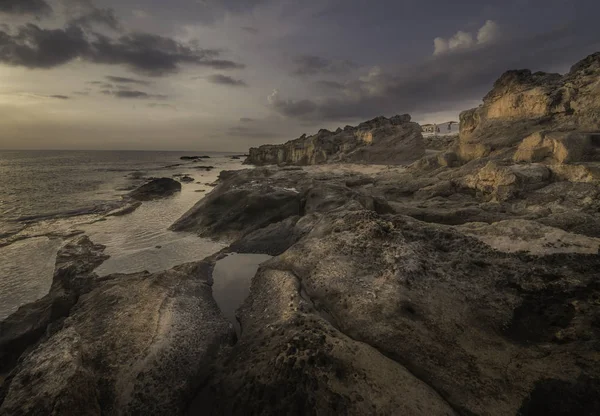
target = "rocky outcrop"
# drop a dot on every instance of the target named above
(127, 344)
(368, 311)
(544, 108)
(156, 189)
(73, 277)
(392, 141)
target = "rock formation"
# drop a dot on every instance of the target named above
(548, 109)
(466, 283)
(393, 141)
(121, 344)
(155, 189)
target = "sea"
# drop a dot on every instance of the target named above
(48, 197)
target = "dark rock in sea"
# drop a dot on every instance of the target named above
(187, 179)
(155, 189)
(206, 168)
(194, 157)
(127, 209)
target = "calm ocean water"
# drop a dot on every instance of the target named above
(47, 195)
(47, 183)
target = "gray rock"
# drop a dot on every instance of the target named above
(156, 189)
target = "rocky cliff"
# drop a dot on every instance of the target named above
(395, 141)
(522, 103)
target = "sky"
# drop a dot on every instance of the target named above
(226, 75)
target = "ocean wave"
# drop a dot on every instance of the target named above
(95, 209)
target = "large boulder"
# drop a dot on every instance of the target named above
(393, 141)
(501, 183)
(156, 189)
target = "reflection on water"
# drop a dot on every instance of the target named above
(26, 269)
(232, 277)
(136, 242)
(141, 240)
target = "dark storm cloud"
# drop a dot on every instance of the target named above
(307, 65)
(442, 81)
(221, 64)
(226, 80)
(137, 94)
(124, 80)
(292, 108)
(96, 16)
(60, 97)
(251, 30)
(24, 7)
(153, 55)
(329, 85)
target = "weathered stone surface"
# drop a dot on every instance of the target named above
(381, 141)
(133, 344)
(156, 188)
(524, 103)
(73, 276)
(363, 300)
(505, 182)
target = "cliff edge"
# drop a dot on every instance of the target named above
(391, 141)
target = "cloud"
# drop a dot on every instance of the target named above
(133, 94)
(153, 55)
(291, 108)
(103, 17)
(246, 120)
(221, 64)
(440, 82)
(329, 85)
(141, 14)
(226, 80)
(488, 33)
(37, 8)
(60, 97)
(124, 80)
(251, 30)
(308, 65)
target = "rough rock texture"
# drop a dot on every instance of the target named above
(155, 189)
(523, 103)
(467, 283)
(367, 311)
(380, 141)
(73, 276)
(131, 344)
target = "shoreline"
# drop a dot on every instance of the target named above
(36, 277)
(463, 283)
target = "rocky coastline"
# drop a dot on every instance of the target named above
(408, 277)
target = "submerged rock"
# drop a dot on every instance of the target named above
(156, 189)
